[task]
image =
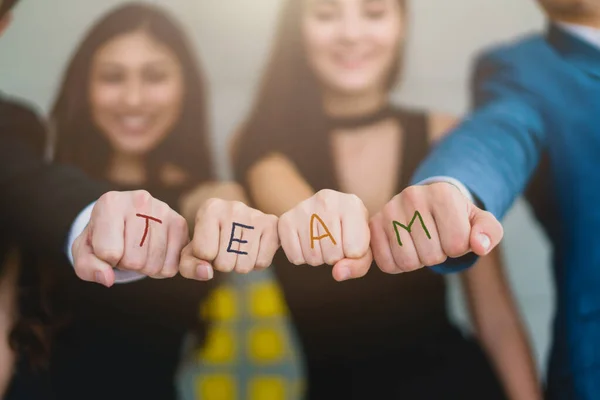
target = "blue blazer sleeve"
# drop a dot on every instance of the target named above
(494, 151)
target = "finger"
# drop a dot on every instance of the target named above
(107, 229)
(426, 239)
(157, 238)
(380, 246)
(177, 239)
(329, 229)
(290, 240)
(191, 267)
(307, 225)
(87, 266)
(251, 234)
(351, 268)
(355, 229)
(207, 231)
(450, 210)
(486, 232)
(269, 243)
(235, 228)
(137, 230)
(399, 238)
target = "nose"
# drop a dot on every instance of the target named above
(133, 93)
(351, 27)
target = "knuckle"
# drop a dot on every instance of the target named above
(263, 263)
(432, 259)
(238, 207)
(185, 271)
(411, 195)
(212, 204)
(243, 269)
(389, 210)
(169, 272)
(388, 268)
(407, 263)
(180, 224)
(222, 266)
(132, 263)
(296, 260)
(331, 259)
(457, 246)
(141, 198)
(325, 197)
(111, 256)
(109, 198)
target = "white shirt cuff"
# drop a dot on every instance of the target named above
(78, 226)
(463, 189)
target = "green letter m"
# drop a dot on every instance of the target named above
(409, 227)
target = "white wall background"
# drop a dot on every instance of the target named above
(233, 39)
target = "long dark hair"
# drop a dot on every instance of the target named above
(6, 6)
(79, 141)
(288, 115)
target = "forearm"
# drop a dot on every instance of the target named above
(276, 186)
(500, 330)
(507, 347)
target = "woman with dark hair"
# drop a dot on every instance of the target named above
(131, 111)
(322, 131)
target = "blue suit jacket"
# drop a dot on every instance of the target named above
(542, 94)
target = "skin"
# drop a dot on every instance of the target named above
(581, 12)
(351, 52)
(136, 94)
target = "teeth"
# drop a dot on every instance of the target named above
(134, 122)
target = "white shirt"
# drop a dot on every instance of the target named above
(78, 226)
(585, 33)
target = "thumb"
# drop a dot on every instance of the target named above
(352, 268)
(486, 231)
(87, 266)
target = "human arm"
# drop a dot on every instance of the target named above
(499, 328)
(276, 187)
(492, 153)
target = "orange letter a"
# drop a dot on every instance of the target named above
(313, 237)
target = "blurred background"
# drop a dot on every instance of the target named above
(232, 38)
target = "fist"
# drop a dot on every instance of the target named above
(426, 224)
(229, 236)
(328, 228)
(131, 231)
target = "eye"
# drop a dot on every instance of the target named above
(155, 76)
(375, 9)
(324, 11)
(111, 76)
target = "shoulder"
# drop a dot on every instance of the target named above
(511, 52)
(516, 61)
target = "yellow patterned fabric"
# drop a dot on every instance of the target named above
(251, 350)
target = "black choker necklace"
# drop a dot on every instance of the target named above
(360, 121)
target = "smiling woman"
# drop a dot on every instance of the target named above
(131, 112)
(132, 107)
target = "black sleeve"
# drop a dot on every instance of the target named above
(38, 201)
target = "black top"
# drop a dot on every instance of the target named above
(358, 314)
(121, 342)
(380, 311)
(381, 336)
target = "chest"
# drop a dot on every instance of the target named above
(368, 164)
